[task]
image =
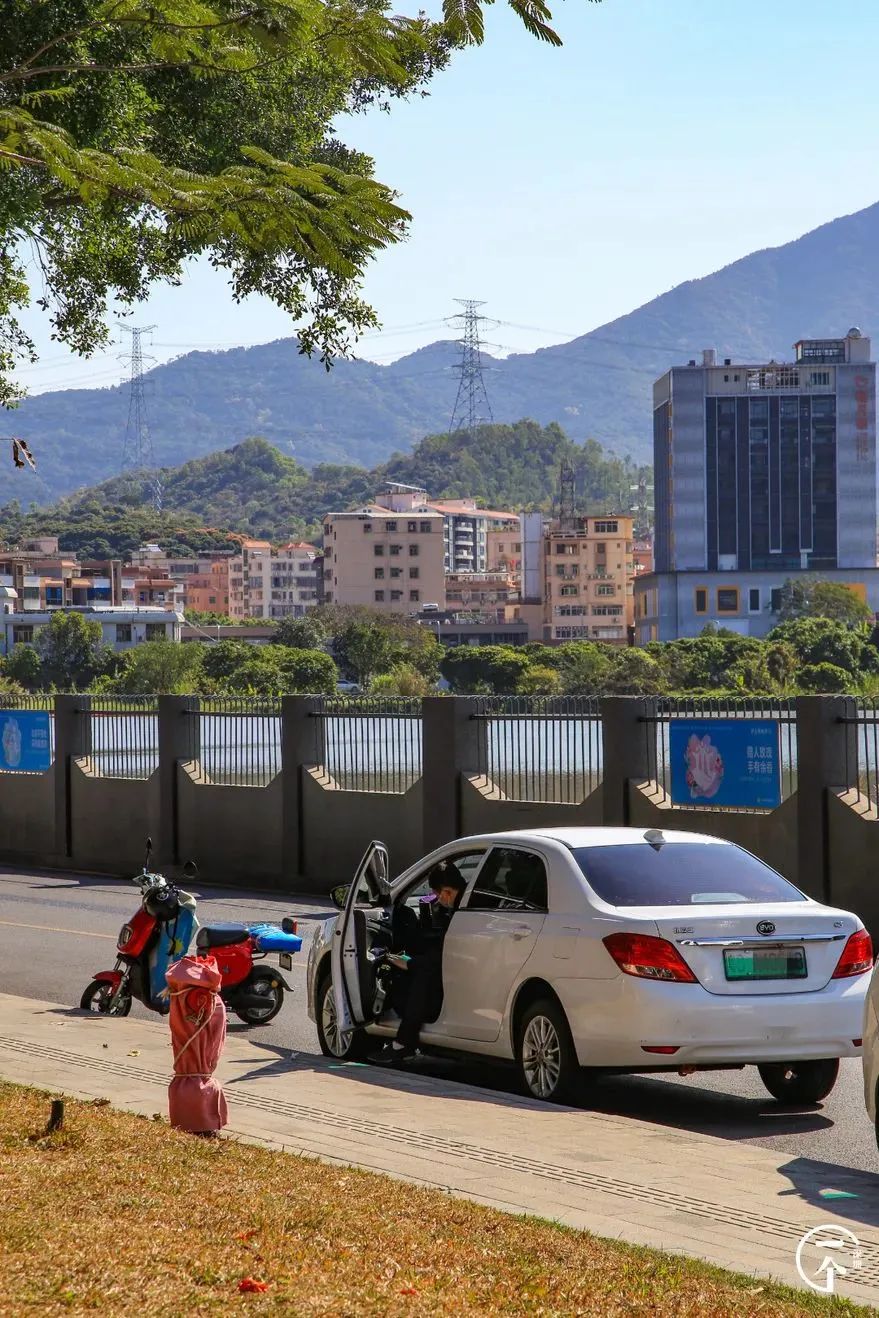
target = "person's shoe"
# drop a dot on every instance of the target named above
(391, 1055)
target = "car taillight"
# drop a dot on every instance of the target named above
(857, 956)
(648, 957)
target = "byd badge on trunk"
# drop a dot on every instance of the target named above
(766, 927)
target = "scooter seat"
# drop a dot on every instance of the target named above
(209, 937)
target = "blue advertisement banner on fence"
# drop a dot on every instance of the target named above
(725, 762)
(25, 742)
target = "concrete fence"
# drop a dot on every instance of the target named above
(287, 793)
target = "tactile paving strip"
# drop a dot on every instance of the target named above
(781, 1229)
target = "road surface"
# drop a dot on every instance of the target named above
(56, 930)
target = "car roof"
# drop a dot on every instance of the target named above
(600, 836)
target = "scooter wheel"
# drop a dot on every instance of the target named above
(272, 990)
(97, 998)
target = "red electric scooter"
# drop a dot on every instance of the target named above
(161, 931)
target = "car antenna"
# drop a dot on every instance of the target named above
(654, 837)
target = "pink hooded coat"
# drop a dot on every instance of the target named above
(198, 1031)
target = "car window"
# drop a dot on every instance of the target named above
(466, 863)
(510, 880)
(681, 874)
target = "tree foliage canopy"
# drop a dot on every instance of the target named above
(134, 137)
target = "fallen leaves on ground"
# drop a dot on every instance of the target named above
(114, 1215)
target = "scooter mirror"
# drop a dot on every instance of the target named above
(190, 869)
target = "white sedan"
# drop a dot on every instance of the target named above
(611, 949)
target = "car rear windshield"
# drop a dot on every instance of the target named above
(680, 874)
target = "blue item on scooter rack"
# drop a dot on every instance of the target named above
(173, 942)
(272, 938)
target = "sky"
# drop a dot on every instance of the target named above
(565, 187)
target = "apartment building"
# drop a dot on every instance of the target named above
(579, 578)
(504, 543)
(206, 590)
(274, 583)
(121, 628)
(392, 560)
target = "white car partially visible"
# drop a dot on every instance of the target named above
(609, 949)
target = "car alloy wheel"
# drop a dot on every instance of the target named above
(541, 1057)
(338, 1040)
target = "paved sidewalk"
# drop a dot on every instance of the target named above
(733, 1204)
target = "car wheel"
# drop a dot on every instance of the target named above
(343, 1045)
(547, 1058)
(800, 1082)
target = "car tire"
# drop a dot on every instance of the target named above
(545, 1051)
(350, 1046)
(800, 1082)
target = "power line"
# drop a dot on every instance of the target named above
(471, 404)
(137, 444)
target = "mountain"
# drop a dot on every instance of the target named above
(598, 385)
(257, 490)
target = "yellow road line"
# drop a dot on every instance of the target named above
(51, 929)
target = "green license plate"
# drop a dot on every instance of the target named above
(765, 963)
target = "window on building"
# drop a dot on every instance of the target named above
(728, 599)
(390, 526)
(600, 547)
(605, 590)
(155, 631)
(367, 526)
(414, 596)
(569, 590)
(123, 633)
(411, 527)
(413, 551)
(607, 528)
(413, 573)
(212, 599)
(607, 610)
(379, 574)
(425, 527)
(22, 635)
(396, 594)
(396, 550)
(379, 597)
(821, 379)
(754, 599)
(379, 551)
(700, 600)
(775, 599)
(396, 572)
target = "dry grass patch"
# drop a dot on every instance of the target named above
(116, 1214)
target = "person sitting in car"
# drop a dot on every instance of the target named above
(417, 988)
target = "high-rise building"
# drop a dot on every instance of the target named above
(761, 472)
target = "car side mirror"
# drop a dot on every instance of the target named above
(339, 895)
(190, 869)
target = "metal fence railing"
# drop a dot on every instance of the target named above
(13, 759)
(664, 711)
(540, 748)
(862, 747)
(237, 740)
(123, 736)
(369, 745)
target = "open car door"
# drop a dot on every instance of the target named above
(353, 978)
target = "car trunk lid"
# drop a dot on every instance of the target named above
(745, 949)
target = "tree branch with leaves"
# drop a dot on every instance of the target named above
(134, 138)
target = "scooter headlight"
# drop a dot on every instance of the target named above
(124, 935)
